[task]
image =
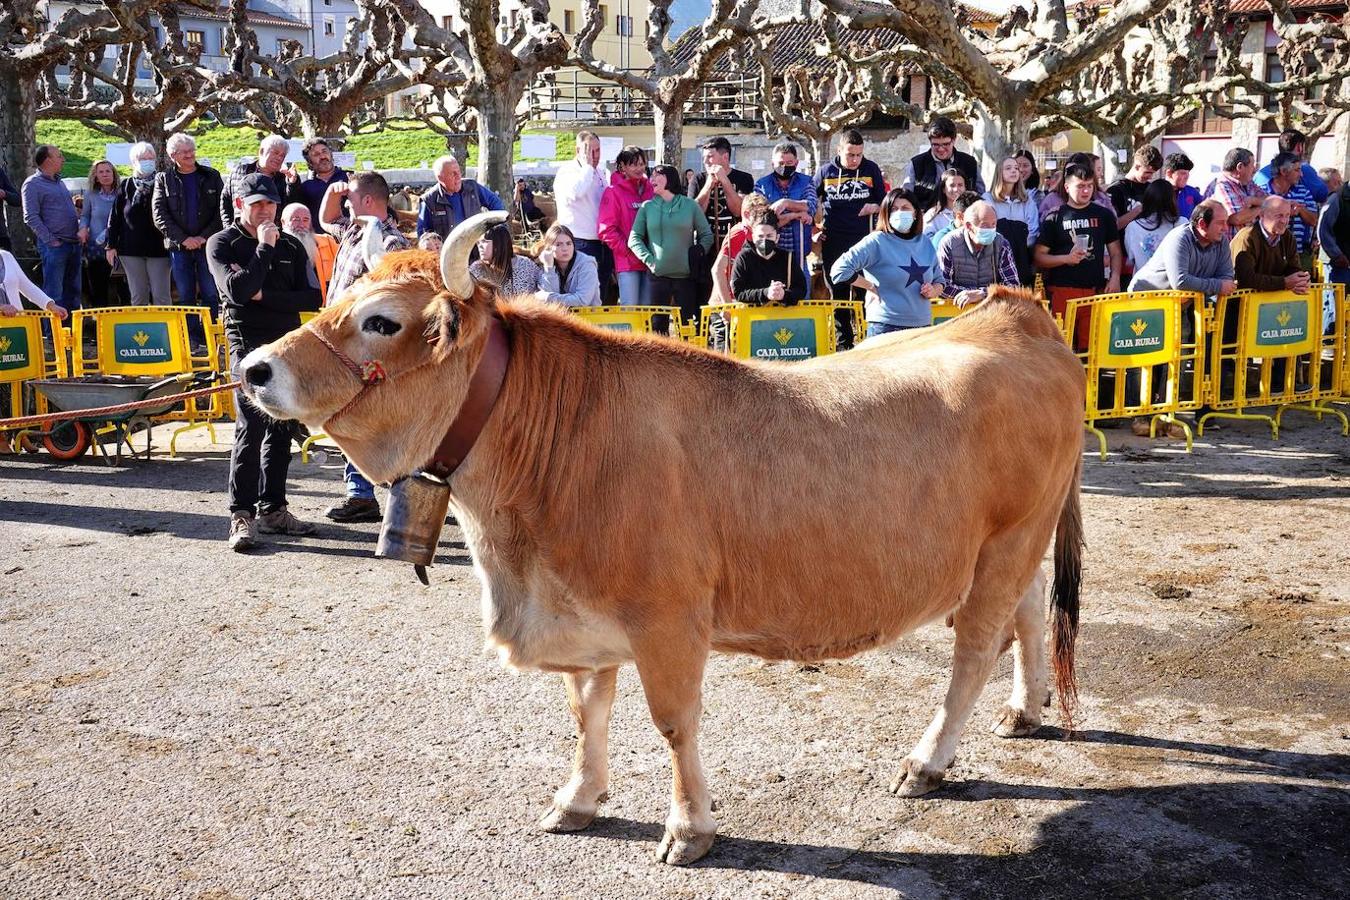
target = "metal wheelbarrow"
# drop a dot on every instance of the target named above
(69, 440)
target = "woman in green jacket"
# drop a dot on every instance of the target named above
(666, 228)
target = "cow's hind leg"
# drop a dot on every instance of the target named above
(1022, 715)
(672, 678)
(591, 696)
(981, 625)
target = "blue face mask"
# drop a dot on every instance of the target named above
(145, 167)
(902, 220)
(985, 236)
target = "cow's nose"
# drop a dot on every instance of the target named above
(258, 374)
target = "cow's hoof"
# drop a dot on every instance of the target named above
(559, 820)
(1016, 723)
(683, 849)
(914, 781)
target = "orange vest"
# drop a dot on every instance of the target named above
(325, 255)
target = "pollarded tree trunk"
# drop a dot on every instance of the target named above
(1113, 147)
(997, 135)
(669, 133)
(18, 126)
(497, 129)
(820, 149)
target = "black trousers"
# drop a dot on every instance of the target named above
(831, 248)
(604, 262)
(261, 456)
(681, 292)
(104, 289)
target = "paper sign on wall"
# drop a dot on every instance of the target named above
(344, 159)
(118, 154)
(539, 146)
(609, 149)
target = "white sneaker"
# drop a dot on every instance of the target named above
(243, 531)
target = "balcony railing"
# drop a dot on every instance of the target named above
(573, 96)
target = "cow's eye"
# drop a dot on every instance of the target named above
(381, 325)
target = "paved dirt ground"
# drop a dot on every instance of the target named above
(307, 721)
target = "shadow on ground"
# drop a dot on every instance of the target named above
(1248, 839)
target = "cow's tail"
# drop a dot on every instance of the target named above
(1064, 598)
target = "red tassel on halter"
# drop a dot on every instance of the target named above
(372, 372)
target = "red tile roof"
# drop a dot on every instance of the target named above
(795, 45)
(222, 14)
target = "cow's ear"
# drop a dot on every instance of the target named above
(443, 320)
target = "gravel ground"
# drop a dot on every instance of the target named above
(307, 721)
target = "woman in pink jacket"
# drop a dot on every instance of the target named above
(628, 189)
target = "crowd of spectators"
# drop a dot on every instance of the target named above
(179, 231)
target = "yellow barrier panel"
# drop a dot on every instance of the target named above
(1139, 360)
(25, 354)
(150, 340)
(801, 331)
(944, 309)
(1268, 350)
(639, 319)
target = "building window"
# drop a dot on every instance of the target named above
(569, 22)
(448, 23)
(1207, 119)
(329, 26)
(604, 16)
(195, 39)
(623, 26)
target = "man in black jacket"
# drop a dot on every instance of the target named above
(187, 212)
(764, 272)
(265, 281)
(9, 196)
(925, 170)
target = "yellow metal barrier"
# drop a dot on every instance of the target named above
(801, 331)
(1137, 362)
(150, 340)
(1268, 350)
(639, 319)
(26, 354)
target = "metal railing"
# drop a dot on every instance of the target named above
(576, 96)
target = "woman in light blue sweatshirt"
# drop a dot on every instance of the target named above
(899, 266)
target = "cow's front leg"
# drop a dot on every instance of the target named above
(1022, 716)
(591, 696)
(671, 669)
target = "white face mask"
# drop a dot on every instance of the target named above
(902, 220)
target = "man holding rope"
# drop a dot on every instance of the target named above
(265, 282)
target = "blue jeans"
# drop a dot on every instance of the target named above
(192, 278)
(357, 486)
(632, 287)
(61, 274)
(880, 328)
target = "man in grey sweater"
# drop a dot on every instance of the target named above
(49, 210)
(1195, 258)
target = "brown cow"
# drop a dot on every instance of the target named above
(634, 499)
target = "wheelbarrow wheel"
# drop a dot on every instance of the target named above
(68, 441)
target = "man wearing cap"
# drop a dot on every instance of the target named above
(265, 282)
(367, 195)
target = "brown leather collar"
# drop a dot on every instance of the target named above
(485, 385)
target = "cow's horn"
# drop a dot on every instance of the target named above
(458, 246)
(372, 245)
